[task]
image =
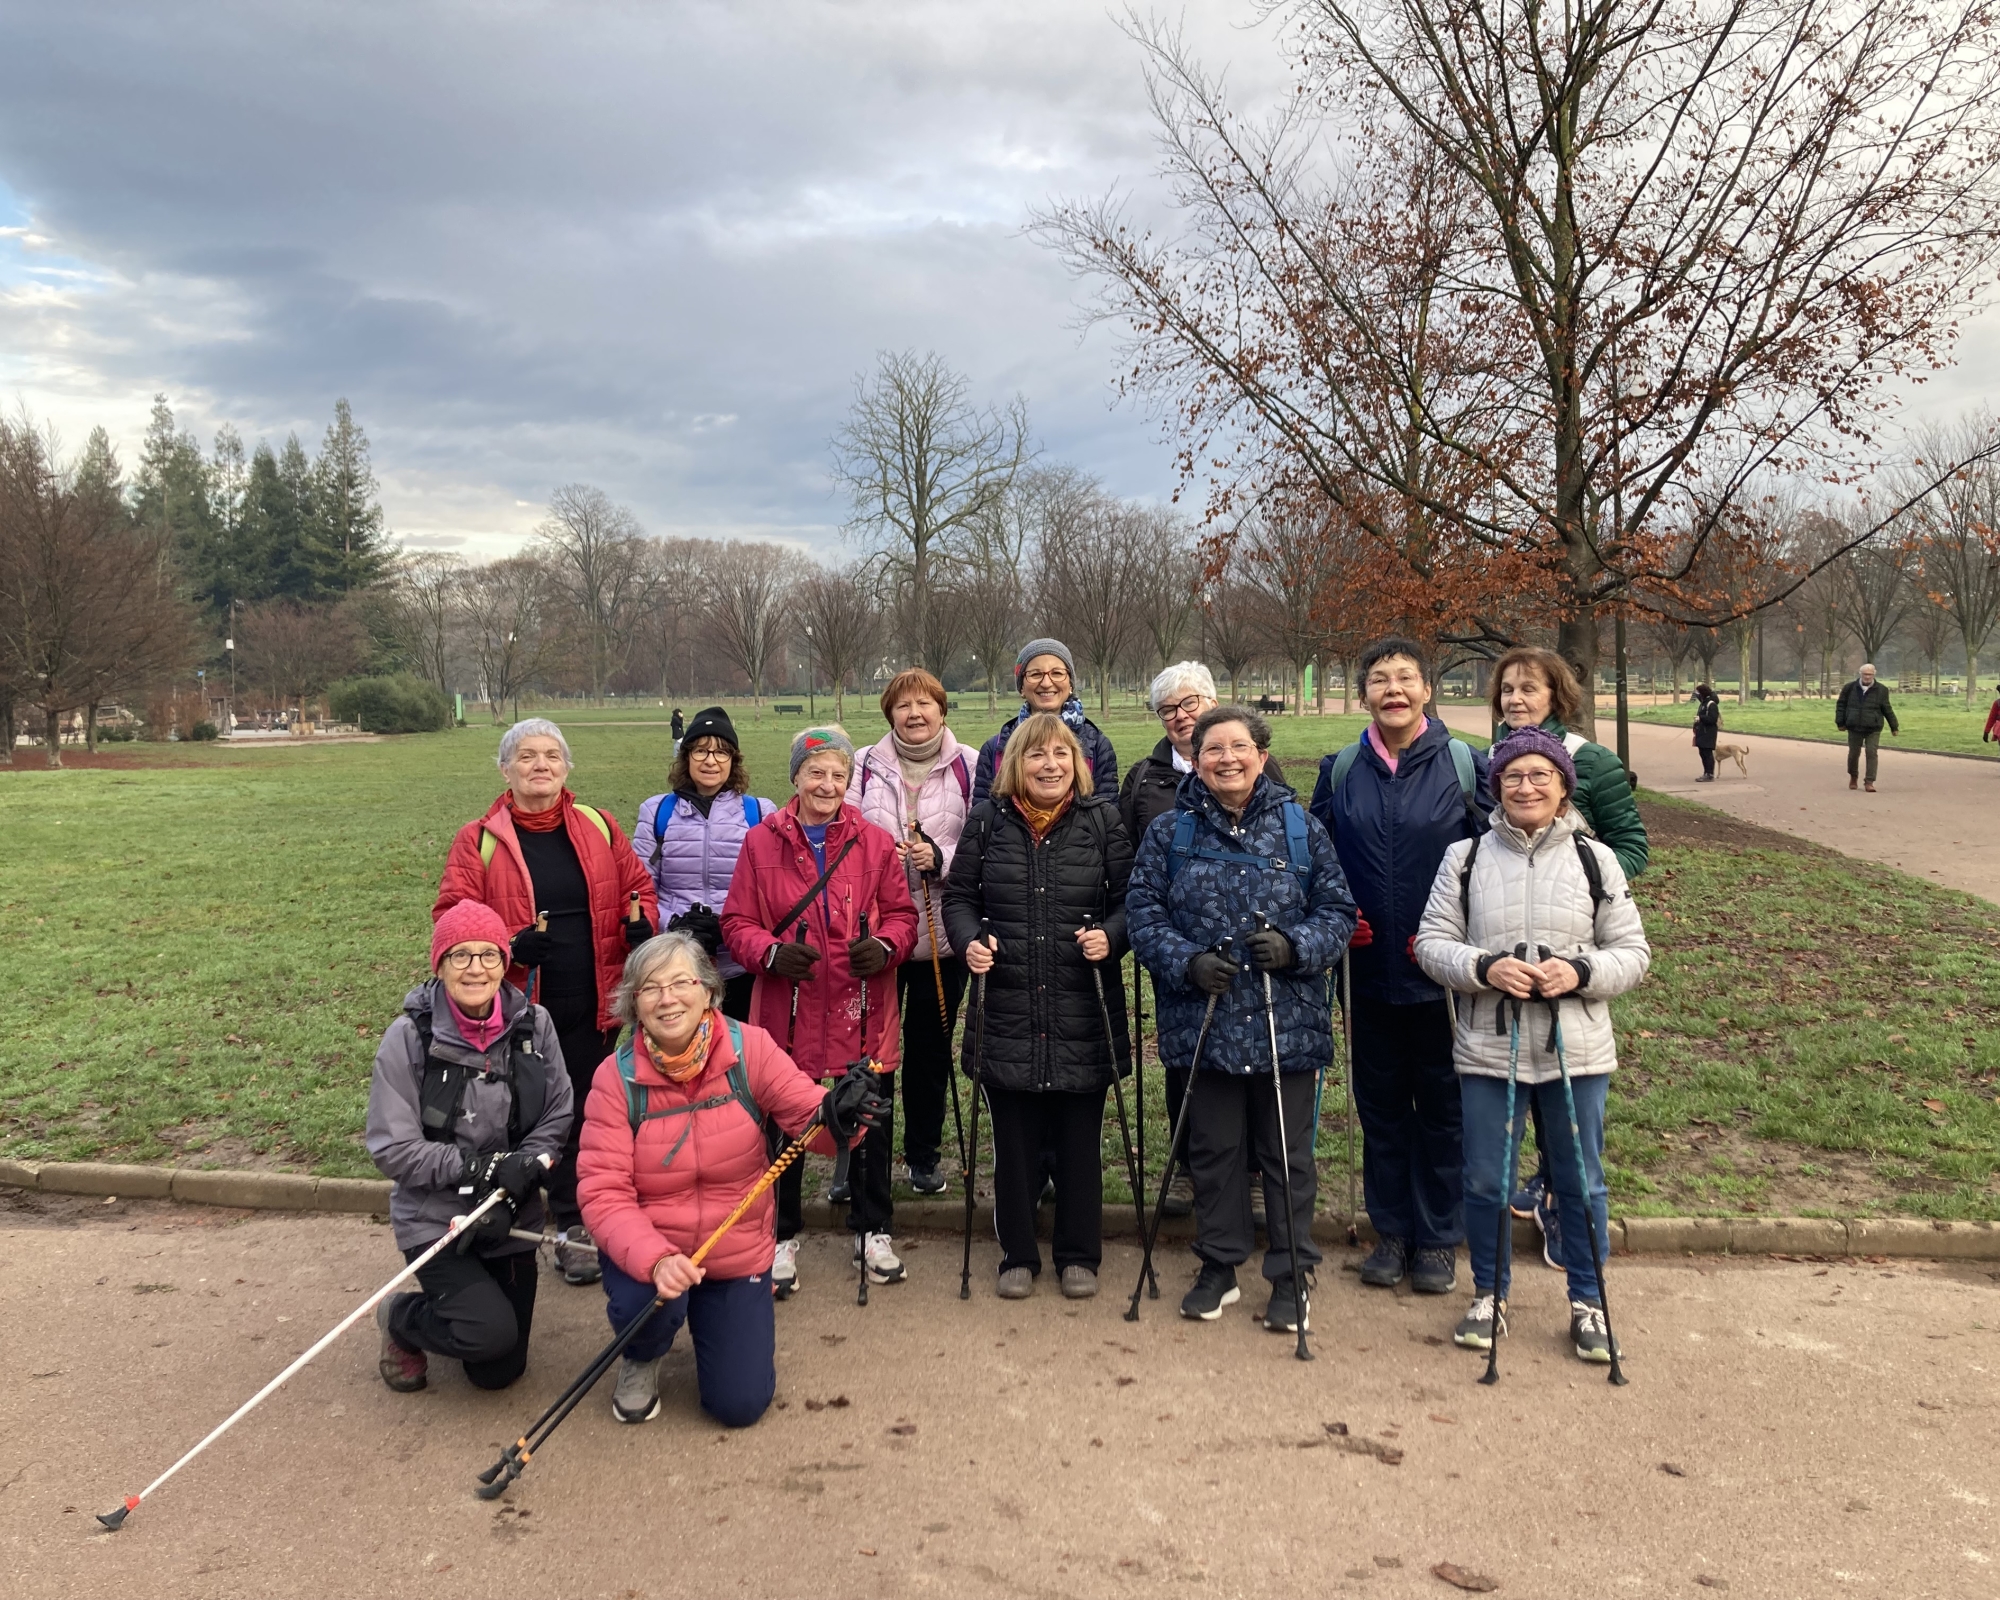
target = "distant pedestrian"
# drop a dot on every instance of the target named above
(1707, 725)
(1045, 675)
(1859, 713)
(680, 726)
(1993, 715)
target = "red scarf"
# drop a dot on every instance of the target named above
(539, 821)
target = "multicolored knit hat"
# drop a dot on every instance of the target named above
(831, 736)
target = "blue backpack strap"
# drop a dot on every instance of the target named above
(1298, 847)
(739, 1074)
(1298, 844)
(1181, 846)
(638, 1100)
(1343, 763)
(964, 777)
(753, 811)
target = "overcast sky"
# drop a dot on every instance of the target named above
(644, 245)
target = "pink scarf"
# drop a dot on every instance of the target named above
(1388, 760)
(479, 1032)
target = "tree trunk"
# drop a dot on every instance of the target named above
(52, 734)
(1742, 666)
(1576, 643)
(6, 730)
(90, 729)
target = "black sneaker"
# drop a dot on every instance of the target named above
(1282, 1314)
(1475, 1328)
(1386, 1263)
(840, 1193)
(1588, 1333)
(927, 1180)
(1434, 1270)
(1214, 1289)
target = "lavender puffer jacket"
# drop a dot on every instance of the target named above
(691, 859)
(942, 805)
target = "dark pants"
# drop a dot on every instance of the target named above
(1707, 754)
(735, 1338)
(1026, 1123)
(1412, 1153)
(869, 1171)
(475, 1309)
(1857, 741)
(927, 1063)
(584, 1046)
(736, 993)
(1233, 1131)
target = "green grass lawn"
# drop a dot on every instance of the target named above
(1928, 722)
(205, 944)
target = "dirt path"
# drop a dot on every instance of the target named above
(1930, 816)
(1790, 1429)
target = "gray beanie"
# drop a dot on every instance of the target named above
(1043, 647)
(828, 736)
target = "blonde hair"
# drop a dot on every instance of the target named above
(1033, 733)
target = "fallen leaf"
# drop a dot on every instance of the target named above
(1337, 1428)
(1459, 1578)
(866, 1551)
(1440, 1417)
(1934, 1105)
(1388, 1561)
(1122, 1382)
(1707, 1581)
(1673, 1471)
(904, 1429)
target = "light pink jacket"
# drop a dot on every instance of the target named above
(943, 802)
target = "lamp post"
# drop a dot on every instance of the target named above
(812, 705)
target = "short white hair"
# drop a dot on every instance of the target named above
(531, 728)
(1179, 681)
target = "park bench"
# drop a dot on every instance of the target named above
(1270, 706)
(793, 709)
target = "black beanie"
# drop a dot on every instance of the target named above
(711, 722)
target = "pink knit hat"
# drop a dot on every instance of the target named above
(468, 922)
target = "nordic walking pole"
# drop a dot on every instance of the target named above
(114, 1520)
(1132, 1169)
(978, 1089)
(1139, 1072)
(853, 1177)
(1304, 1300)
(944, 1020)
(1347, 1071)
(1503, 1230)
(494, 1480)
(792, 1027)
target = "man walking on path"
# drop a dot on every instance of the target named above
(1861, 710)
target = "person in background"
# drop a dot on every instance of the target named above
(1535, 688)
(690, 836)
(539, 853)
(915, 783)
(679, 727)
(1992, 716)
(1860, 711)
(1045, 675)
(1707, 726)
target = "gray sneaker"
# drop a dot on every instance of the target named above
(1016, 1283)
(576, 1255)
(1386, 1263)
(637, 1397)
(1475, 1329)
(1587, 1332)
(1078, 1283)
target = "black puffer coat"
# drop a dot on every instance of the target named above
(1043, 1028)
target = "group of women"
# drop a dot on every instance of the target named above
(658, 1017)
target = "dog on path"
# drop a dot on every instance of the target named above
(1738, 753)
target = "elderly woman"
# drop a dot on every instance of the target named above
(1044, 863)
(690, 836)
(1536, 911)
(469, 1094)
(1045, 676)
(915, 784)
(1239, 848)
(541, 853)
(673, 1139)
(820, 910)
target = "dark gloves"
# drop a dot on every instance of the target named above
(704, 924)
(533, 946)
(1270, 950)
(490, 1230)
(854, 1102)
(867, 956)
(1211, 973)
(637, 931)
(513, 1170)
(1363, 935)
(794, 961)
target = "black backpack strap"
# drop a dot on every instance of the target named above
(1465, 884)
(792, 915)
(1593, 872)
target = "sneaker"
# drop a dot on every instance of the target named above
(576, 1256)
(1475, 1328)
(1180, 1196)
(785, 1270)
(1282, 1314)
(1386, 1263)
(840, 1192)
(1016, 1283)
(876, 1253)
(1434, 1270)
(1214, 1289)
(403, 1369)
(1588, 1333)
(928, 1180)
(1078, 1283)
(637, 1397)
(1528, 1196)
(1549, 1220)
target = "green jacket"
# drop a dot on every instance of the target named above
(1604, 796)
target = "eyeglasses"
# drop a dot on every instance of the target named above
(464, 960)
(1049, 675)
(709, 752)
(1522, 780)
(1190, 707)
(679, 989)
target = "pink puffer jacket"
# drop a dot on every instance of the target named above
(942, 804)
(640, 1206)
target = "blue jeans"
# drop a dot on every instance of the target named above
(1487, 1146)
(735, 1338)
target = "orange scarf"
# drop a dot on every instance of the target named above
(686, 1066)
(1039, 821)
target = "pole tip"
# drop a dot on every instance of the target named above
(114, 1520)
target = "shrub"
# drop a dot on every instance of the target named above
(396, 704)
(203, 730)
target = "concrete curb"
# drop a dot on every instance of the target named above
(1743, 1236)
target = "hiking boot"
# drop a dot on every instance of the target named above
(1180, 1196)
(927, 1180)
(1282, 1314)
(1386, 1263)
(1475, 1328)
(576, 1255)
(1549, 1220)
(785, 1270)
(1434, 1270)
(1867, 788)
(1016, 1283)
(403, 1369)
(1214, 1289)
(1078, 1283)
(1588, 1333)
(637, 1397)
(1528, 1196)
(1853, 782)
(879, 1258)
(840, 1192)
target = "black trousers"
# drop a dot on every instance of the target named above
(1707, 754)
(927, 1062)
(475, 1309)
(584, 1046)
(869, 1172)
(1232, 1132)
(1026, 1124)
(736, 995)
(1413, 1150)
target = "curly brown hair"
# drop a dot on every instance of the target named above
(1565, 693)
(738, 781)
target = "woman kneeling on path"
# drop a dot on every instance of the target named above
(673, 1138)
(1537, 916)
(469, 1094)
(1044, 863)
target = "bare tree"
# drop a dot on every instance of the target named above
(750, 603)
(596, 558)
(1874, 590)
(502, 616)
(427, 589)
(1092, 558)
(294, 651)
(1166, 591)
(1957, 527)
(1233, 624)
(1931, 629)
(837, 610)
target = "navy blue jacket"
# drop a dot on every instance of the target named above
(1391, 831)
(1171, 919)
(1096, 750)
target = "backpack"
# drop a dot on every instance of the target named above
(442, 1087)
(1297, 858)
(1591, 871)
(639, 1096)
(489, 841)
(753, 813)
(1461, 760)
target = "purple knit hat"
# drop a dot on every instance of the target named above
(1532, 742)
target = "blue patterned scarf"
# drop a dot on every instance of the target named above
(1071, 713)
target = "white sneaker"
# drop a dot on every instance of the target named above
(785, 1270)
(876, 1252)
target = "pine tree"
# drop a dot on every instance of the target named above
(171, 498)
(346, 516)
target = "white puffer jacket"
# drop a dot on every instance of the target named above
(1533, 892)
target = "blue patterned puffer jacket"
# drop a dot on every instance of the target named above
(1171, 920)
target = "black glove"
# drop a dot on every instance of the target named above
(855, 1101)
(637, 931)
(1270, 950)
(703, 924)
(490, 1230)
(1211, 973)
(533, 946)
(866, 957)
(794, 961)
(513, 1170)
